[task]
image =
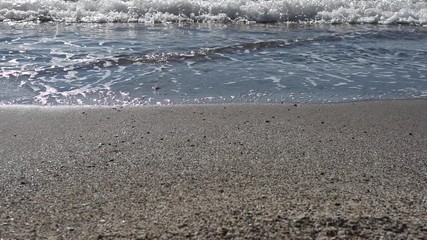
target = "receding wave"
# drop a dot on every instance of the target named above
(170, 57)
(202, 11)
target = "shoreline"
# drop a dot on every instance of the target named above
(215, 171)
(211, 104)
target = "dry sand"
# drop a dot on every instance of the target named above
(226, 171)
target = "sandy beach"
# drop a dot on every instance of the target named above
(353, 170)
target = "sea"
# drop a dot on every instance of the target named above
(166, 52)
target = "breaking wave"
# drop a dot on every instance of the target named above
(222, 11)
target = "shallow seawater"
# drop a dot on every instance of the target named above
(71, 63)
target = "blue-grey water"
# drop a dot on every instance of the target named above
(55, 52)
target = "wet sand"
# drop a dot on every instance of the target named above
(224, 171)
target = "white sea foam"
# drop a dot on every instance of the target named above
(151, 11)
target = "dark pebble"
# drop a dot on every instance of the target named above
(182, 225)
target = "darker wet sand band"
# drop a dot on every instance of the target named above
(227, 171)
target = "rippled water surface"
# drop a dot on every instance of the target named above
(172, 62)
